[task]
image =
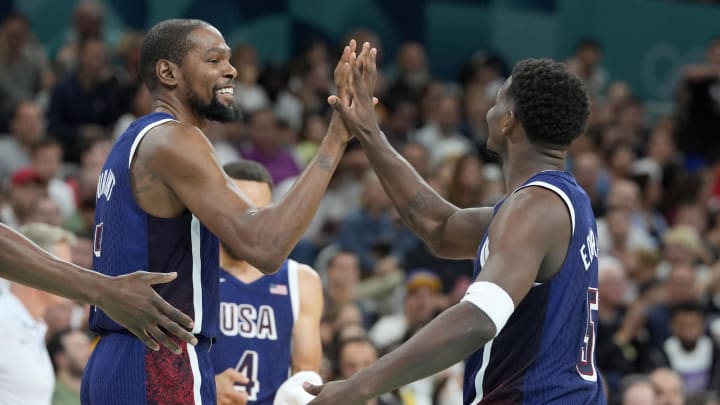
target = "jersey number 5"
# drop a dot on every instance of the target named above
(248, 366)
(586, 361)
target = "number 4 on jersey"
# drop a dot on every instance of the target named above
(586, 360)
(248, 366)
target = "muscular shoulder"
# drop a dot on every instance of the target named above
(172, 138)
(535, 210)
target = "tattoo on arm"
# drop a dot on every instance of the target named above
(142, 179)
(325, 162)
(414, 207)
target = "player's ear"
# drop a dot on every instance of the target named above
(508, 122)
(167, 72)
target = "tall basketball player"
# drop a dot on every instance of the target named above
(526, 326)
(163, 199)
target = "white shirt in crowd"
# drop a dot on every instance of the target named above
(26, 373)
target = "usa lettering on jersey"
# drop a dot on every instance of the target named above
(248, 321)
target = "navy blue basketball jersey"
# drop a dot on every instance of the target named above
(545, 354)
(128, 239)
(256, 324)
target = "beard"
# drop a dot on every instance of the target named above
(214, 110)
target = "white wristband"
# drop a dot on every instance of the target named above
(291, 392)
(491, 299)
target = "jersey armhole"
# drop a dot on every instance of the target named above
(141, 135)
(293, 286)
(561, 194)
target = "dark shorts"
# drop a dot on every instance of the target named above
(123, 371)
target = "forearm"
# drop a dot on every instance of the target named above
(284, 223)
(23, 262)
(420, 207)
(448, 339)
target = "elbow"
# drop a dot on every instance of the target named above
(268, 261)
(271, 265)
(439, 248)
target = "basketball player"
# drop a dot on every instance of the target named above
(128, 299)
(269, 324)
(526, 326)
(162, 200)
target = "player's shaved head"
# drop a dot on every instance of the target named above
(166, 40)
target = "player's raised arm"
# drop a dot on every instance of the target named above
(128, 299)
(526, 235)
(182, 158)
(449, 231)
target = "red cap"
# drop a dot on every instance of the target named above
(24, 176)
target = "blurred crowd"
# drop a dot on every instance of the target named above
(654, 184)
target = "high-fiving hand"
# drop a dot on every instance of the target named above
(355, 76)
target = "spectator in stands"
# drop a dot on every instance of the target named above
(355, 354)
(668, 386)
(412, 74)
(586, 64)
(378, 238)
(467, 184)
(26, 188)
(87, 22)
(47, 211)
(637, 390)
(268, 146)
(689, 351)
(423, 300)
(26, 373)
(47, 160)
(87, 102)
(441, 133)
(140, 104)
(313, 130)
(24, 68)
(589, 174)
(680, 286)
(400, 121)
(27, 126)
(249, 95)
(69, 352)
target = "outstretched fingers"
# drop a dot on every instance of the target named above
(163, 339)
(341, 74)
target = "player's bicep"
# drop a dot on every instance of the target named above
(462, 232)
(185, 162)
(307, 346)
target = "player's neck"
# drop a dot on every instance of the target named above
(241, 269)
(522, 163)
(169, 103)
